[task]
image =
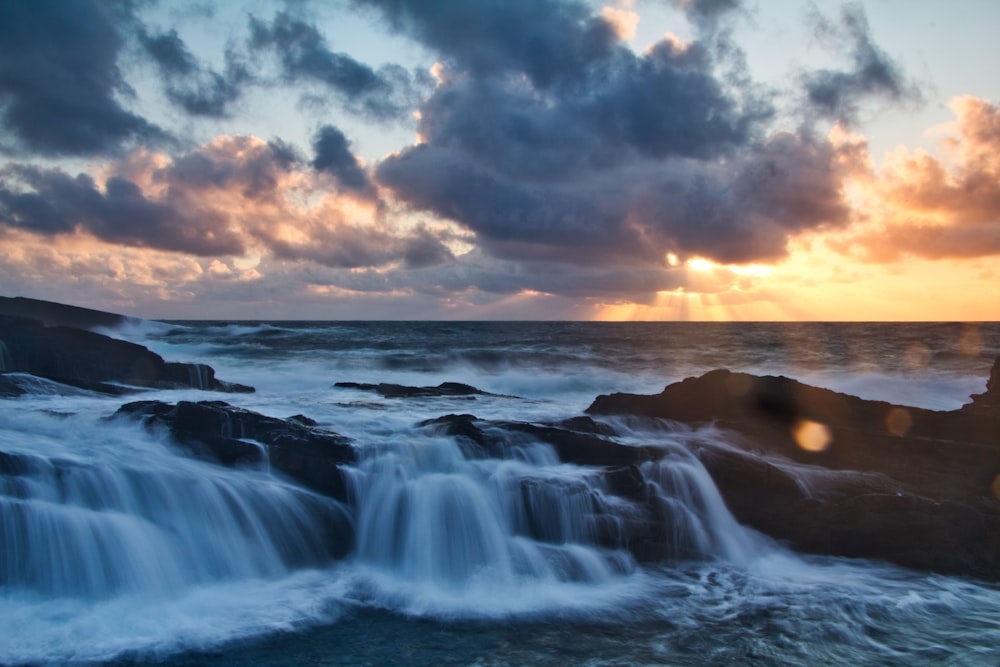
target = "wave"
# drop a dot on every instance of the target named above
(116, 546)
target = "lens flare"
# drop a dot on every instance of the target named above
(898, 421)
(812, 436)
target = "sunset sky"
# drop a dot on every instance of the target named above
(503, 159)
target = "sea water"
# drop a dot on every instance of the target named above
(117, 548)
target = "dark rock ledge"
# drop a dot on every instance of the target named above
(220, 432)
(835, 474)
(445, 389)
(59, 314)
(78, 357)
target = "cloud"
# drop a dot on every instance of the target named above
(189, 85)
(623, 20)
(708, 12)
(837, 94)
(59, 78)
(546, 40)
(932, 207)
(233, 196)
(303, 55)
(596, 155)
(334, 157)
(50, 201)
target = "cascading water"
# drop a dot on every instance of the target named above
(117, 546)
(427, 513)
(78, 527)
(6, 364)
(424, 512)
(700, 524)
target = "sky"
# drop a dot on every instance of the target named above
(720, 160)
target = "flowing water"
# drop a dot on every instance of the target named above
(118, 548)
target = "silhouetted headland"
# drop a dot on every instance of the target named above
(54, 341)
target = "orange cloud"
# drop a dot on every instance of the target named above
(921, 205)
(623, 20)
(233, 197)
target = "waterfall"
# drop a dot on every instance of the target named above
(98, 529)
(427, 513)
(104, 511)
(200, 376)
(700, 524)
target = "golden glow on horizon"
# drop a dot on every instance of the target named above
(701, 264)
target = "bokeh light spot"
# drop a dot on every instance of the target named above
(917, 356)
(995, 487)
(812, 436)
(898, 421)
(971, 341)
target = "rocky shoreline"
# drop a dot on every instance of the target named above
(823, 472)
(55, 342)
(834, 474)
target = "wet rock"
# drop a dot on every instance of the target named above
(230, 435)
(445, 389)
(627, 482)
(988, 403)
(10, 387)
(583, 448)
(459, 426)
(836, 474)
(584, 424)
(482, 438)
(90, 360)
(57, 314)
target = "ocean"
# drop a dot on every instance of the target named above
(119, 549)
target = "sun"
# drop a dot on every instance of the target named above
(700, 264)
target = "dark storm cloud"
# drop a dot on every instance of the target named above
(707, 13)
(547, 40)
(59, 77)
(836, 94)
(556, 143)
(304, 55)
(50, 201)
(346, 245)
(738, 211)
(423, 249)
(334, 157)
(198, 90)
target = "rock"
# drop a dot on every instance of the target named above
(57, 314)
(583, 448)
(482, 438)
(91, 360)
(10, 387)
(621, 509)
(954, 452)
(835, 474)
(220, 432)
(445, 389)
(987, 403)
(585, 424)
